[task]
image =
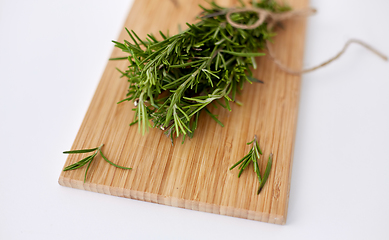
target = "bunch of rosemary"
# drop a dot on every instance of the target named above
(171, 81)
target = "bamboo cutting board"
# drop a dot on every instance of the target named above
(195, 175)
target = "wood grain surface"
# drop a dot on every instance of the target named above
(195, 175)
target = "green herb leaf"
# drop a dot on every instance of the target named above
(80, 151)
(86, 171)
(113, 164)
(78, 164)
(266, 174)
(243, 54)
(119, 58)
(214, 117)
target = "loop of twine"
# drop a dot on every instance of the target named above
(272, 18)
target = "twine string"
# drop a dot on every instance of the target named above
(348, 43)
(272, 18)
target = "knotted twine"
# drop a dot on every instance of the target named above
(272, 18)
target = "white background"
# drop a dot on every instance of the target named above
(52, 55)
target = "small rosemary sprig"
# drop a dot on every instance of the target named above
(173, 80)
(254, 156)
(88, 159)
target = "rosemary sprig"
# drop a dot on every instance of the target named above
(254, 156)
(173, 80)
(89, 159)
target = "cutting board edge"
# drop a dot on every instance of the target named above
(174, 202)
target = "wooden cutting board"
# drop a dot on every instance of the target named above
(195, 175)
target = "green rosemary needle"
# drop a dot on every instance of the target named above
(267, 172)
(88, 159)
(171, 81)
(253, 157)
